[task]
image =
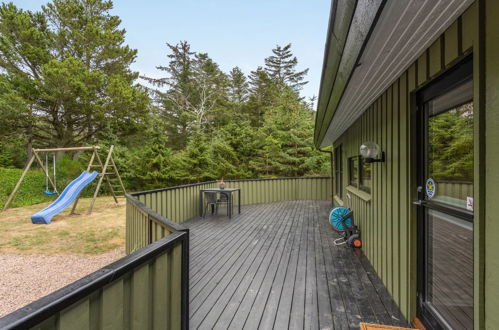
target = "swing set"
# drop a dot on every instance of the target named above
(106, 171)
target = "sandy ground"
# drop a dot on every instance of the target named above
(26, 278)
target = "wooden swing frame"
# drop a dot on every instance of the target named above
(103, 175)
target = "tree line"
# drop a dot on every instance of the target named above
(65, 80)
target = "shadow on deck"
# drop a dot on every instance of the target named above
(275, 266)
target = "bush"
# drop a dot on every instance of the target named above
(67, 170)
(31, 190)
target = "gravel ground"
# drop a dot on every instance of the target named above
(26, 278)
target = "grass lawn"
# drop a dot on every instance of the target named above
(82, 234)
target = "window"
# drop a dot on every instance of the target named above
(338, 172)
(365, 175)
(353, 171)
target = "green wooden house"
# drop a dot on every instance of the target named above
(409, 103)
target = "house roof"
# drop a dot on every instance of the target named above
(369, 44)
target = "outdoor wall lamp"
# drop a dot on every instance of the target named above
(371, 152)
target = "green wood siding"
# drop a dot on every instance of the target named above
(387, 217)
(487, 170)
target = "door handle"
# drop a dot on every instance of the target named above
(420, 195)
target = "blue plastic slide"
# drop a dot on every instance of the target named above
(67, 197)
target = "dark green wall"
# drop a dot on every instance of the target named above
(386, 215)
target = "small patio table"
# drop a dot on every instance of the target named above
(228, 191)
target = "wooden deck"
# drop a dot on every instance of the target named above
(275, 266)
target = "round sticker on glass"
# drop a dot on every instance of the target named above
(431, 188)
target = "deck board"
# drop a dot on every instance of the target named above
(275, 266)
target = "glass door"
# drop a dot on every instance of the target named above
(445, 208)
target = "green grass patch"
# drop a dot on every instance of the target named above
(98, 242)
(29, 242)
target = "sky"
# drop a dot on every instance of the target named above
(232, 32)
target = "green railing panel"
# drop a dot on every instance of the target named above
(143, 225)
(113, 306)
(181, 203)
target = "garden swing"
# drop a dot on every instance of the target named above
(47, 190)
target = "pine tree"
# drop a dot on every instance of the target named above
(238, 86)
(24, 48)
(260, 84)
(14, 120)
(281, 68)
(195, 163)
(179, 83)
(195, 87)
(152, 165)
(211, 91)
(70, 65)
(263, 93)
(285, 140)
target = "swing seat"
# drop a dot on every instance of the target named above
(50, 193)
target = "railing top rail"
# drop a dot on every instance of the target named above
(138, 193)
(145, 192)
(155, 216)
(47, 306)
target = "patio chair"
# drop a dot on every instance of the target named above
(224, 199)
(211, 199)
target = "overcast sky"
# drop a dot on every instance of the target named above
(232, 32)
